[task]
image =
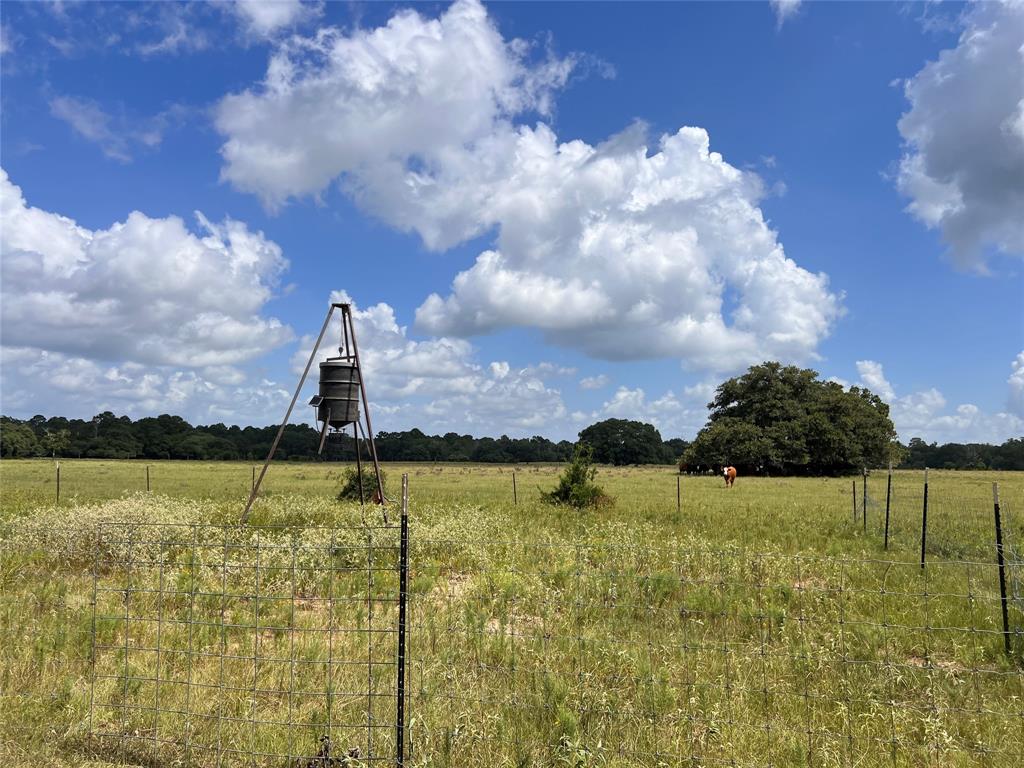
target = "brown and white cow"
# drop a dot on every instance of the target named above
(729, 474)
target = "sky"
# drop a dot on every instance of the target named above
(544, 214)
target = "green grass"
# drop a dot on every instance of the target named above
(753, 626)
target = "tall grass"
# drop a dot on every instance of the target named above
(758, 626)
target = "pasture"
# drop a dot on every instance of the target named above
(762, 625)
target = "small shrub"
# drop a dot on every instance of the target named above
(576, 486)
(350, 484)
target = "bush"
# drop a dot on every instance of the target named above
(350, 483)
(576, 485)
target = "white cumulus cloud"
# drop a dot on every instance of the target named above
(963, 168)
(55, 384)
(366, 106)
(926, 414)
(629, 254)
(439, 384)
(619, 249)
(145, 290)
(681, 415)
(873, 377)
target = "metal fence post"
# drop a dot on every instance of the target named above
(888, 494)
(1002, 567)
(403, 576)
(515, 494)
(679, 500)
(924, 517)
(58, 482)
(147, 478)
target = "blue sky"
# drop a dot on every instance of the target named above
(546, 214)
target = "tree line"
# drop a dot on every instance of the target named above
(107, 436)
(774, 419)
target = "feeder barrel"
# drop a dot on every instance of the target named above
(338, 400)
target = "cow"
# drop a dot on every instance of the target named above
(729, 474)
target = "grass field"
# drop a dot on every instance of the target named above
(756, 626)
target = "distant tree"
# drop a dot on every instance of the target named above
(56, 441)
(1010, 455)
(673, 450)
(17, 440)
(783, 420)
(728, 441)
(620, 442)
(154, 438)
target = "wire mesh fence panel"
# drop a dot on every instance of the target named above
(609, 654)
(277, 646)
(959, 526)
(228, 645)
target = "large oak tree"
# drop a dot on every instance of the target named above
(784, 420)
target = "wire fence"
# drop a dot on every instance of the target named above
(645, 655)
(955, 527)
(232, 645)
(283, 646)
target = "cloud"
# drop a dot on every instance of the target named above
(56, 384)
(784, 10)
(155, 29)
(873, 377)
(672, 414)
(264, 18)
(367, 105)
(963, 166)
(439, 384)
(6, 40)
(925, 414)
(90, 122)
(144, 291)
(120, 136)
(613, 249)
(594, 382)
(628, 254)
(1016, 385)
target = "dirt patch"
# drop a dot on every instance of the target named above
(315, 604)
(516, 625)
(453, 589)
(936, 662)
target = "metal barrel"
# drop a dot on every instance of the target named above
(339, 393)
